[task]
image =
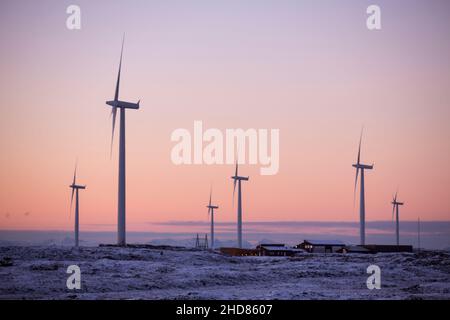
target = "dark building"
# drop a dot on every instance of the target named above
(354, 249)
(323, 246)
(375, 248)
(276, 250)
(239, 252)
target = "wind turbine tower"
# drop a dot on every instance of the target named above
(237, 180)
(395, 205)
(122, 105)
(75, 187)
(211, 212)
(362, 206)
(418, 233)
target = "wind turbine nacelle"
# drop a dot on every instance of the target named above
(240, 178)
(75, 186)
(123, 104)
(363, 166)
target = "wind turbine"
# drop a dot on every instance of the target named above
(75, 187)
(418, 233)
(362, 206)
(395, 205)
(122, 105)
(211, 212)
(237, 179)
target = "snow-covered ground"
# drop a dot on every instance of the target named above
(143, 273)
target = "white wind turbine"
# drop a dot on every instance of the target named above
(75, 187)
(418, 233)
(237, 179)
(211, 212)
(122, 105)
(362, 207)
(395, 205)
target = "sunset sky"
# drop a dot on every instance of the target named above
(311, 69)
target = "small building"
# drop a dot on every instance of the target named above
(376, 248)
(322, 246)
(275, 250)
(354, 249)
(239, 252)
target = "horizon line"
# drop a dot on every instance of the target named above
(182, 222)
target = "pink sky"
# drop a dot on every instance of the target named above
(312, 70)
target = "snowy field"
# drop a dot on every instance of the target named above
(143, 273)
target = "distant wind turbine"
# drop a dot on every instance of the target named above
(122, 105)
(211, 212)
(418, 233)
(237, 179)
(395, 205)
(75, 187)
(362, 207)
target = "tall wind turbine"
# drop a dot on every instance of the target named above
(122, 105)
(362, 206)
(395, 205)
(75, 187)
(237, 179)
(211, 212)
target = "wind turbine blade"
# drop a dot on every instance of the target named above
(210, 195)
(234, 191)
(354, 190)
(235, 180)
(73, 183)
(393, 210)
(113, 114)
(75, 173)
(71, 200)
(116, 96)
(359, 149)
